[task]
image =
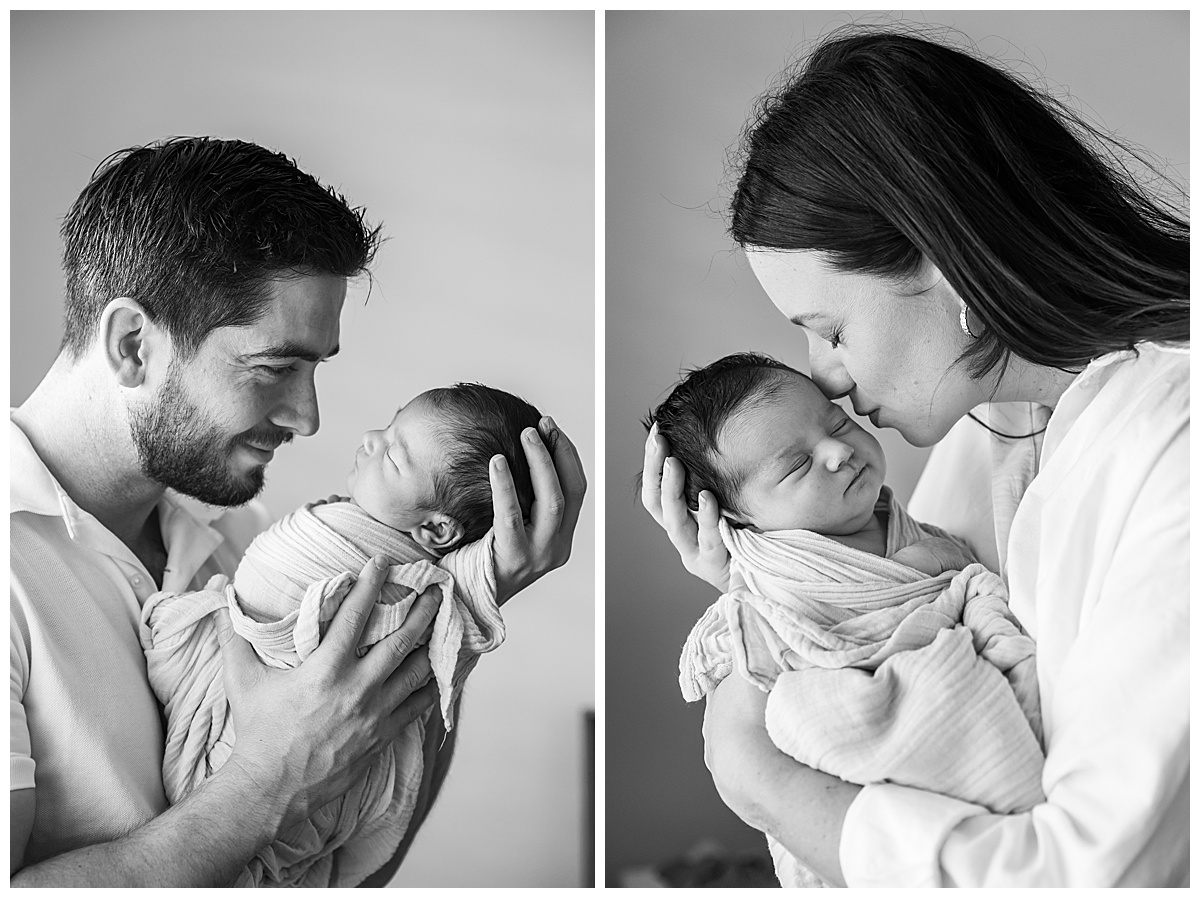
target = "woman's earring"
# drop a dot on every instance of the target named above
(962, 322)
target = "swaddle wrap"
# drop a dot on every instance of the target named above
(875, 671)
(287, 588)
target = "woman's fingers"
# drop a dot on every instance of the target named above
(652, 474)
(708, 531)
(678, 521)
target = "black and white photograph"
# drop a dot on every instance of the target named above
(919, 616)
(599, 448)
(294, 293)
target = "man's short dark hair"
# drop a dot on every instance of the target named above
(482, 422)
(692, 416)
(193, 229)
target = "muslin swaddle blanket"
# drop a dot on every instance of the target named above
(876, 672)
(287, 588)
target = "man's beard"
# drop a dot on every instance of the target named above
(181, 449)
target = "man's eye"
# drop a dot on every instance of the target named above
(835, 339)
(275, 371)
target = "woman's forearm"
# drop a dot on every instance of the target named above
(800, 807)
(205, 840)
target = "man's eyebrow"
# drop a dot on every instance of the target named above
(293, 351)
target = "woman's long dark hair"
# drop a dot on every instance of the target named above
(887, 147)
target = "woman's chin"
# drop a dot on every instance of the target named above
(922, 436)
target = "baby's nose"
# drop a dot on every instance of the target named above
(838, 453)
(370, 440)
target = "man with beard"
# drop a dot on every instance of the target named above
(205, 280)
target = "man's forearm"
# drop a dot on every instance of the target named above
(205, 840)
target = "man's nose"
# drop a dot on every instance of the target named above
(299, 412)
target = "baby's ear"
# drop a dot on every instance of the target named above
(439, 534)
(736, 521)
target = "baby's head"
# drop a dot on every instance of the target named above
(773, 451)
(426, 473)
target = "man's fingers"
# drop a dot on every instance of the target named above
(548, 503)
(346, 628)
(408, 677)
(414, 706)
(506, 509)
(569, 472)
(387, 655)
(652, 474)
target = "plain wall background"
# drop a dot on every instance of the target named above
(679, 87)
(472, 137)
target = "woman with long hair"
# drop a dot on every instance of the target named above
(976, 268)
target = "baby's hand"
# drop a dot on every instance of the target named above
(934, 555)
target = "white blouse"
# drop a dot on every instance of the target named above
(1096, 559)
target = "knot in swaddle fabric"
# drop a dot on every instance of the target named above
(285, 592)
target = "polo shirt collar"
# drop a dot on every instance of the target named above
(186, 522)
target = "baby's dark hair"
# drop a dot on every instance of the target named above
(693, 415)
(481, 422)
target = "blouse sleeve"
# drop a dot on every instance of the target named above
(1117, 764)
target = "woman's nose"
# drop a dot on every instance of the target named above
(827, 373)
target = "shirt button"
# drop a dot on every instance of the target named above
(136, 581)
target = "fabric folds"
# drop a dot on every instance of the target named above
(875, 671)
(287, 589)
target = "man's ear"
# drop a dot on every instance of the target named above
(440, 533)
(129, 340)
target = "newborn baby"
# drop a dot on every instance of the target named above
(426, 473)
(777, 455)
(419, 492)
(882, 661)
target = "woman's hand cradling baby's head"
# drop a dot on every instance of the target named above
(696, 538)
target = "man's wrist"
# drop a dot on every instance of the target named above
(261, 798)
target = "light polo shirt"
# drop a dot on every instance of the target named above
(84, 725)
(1097, 564)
